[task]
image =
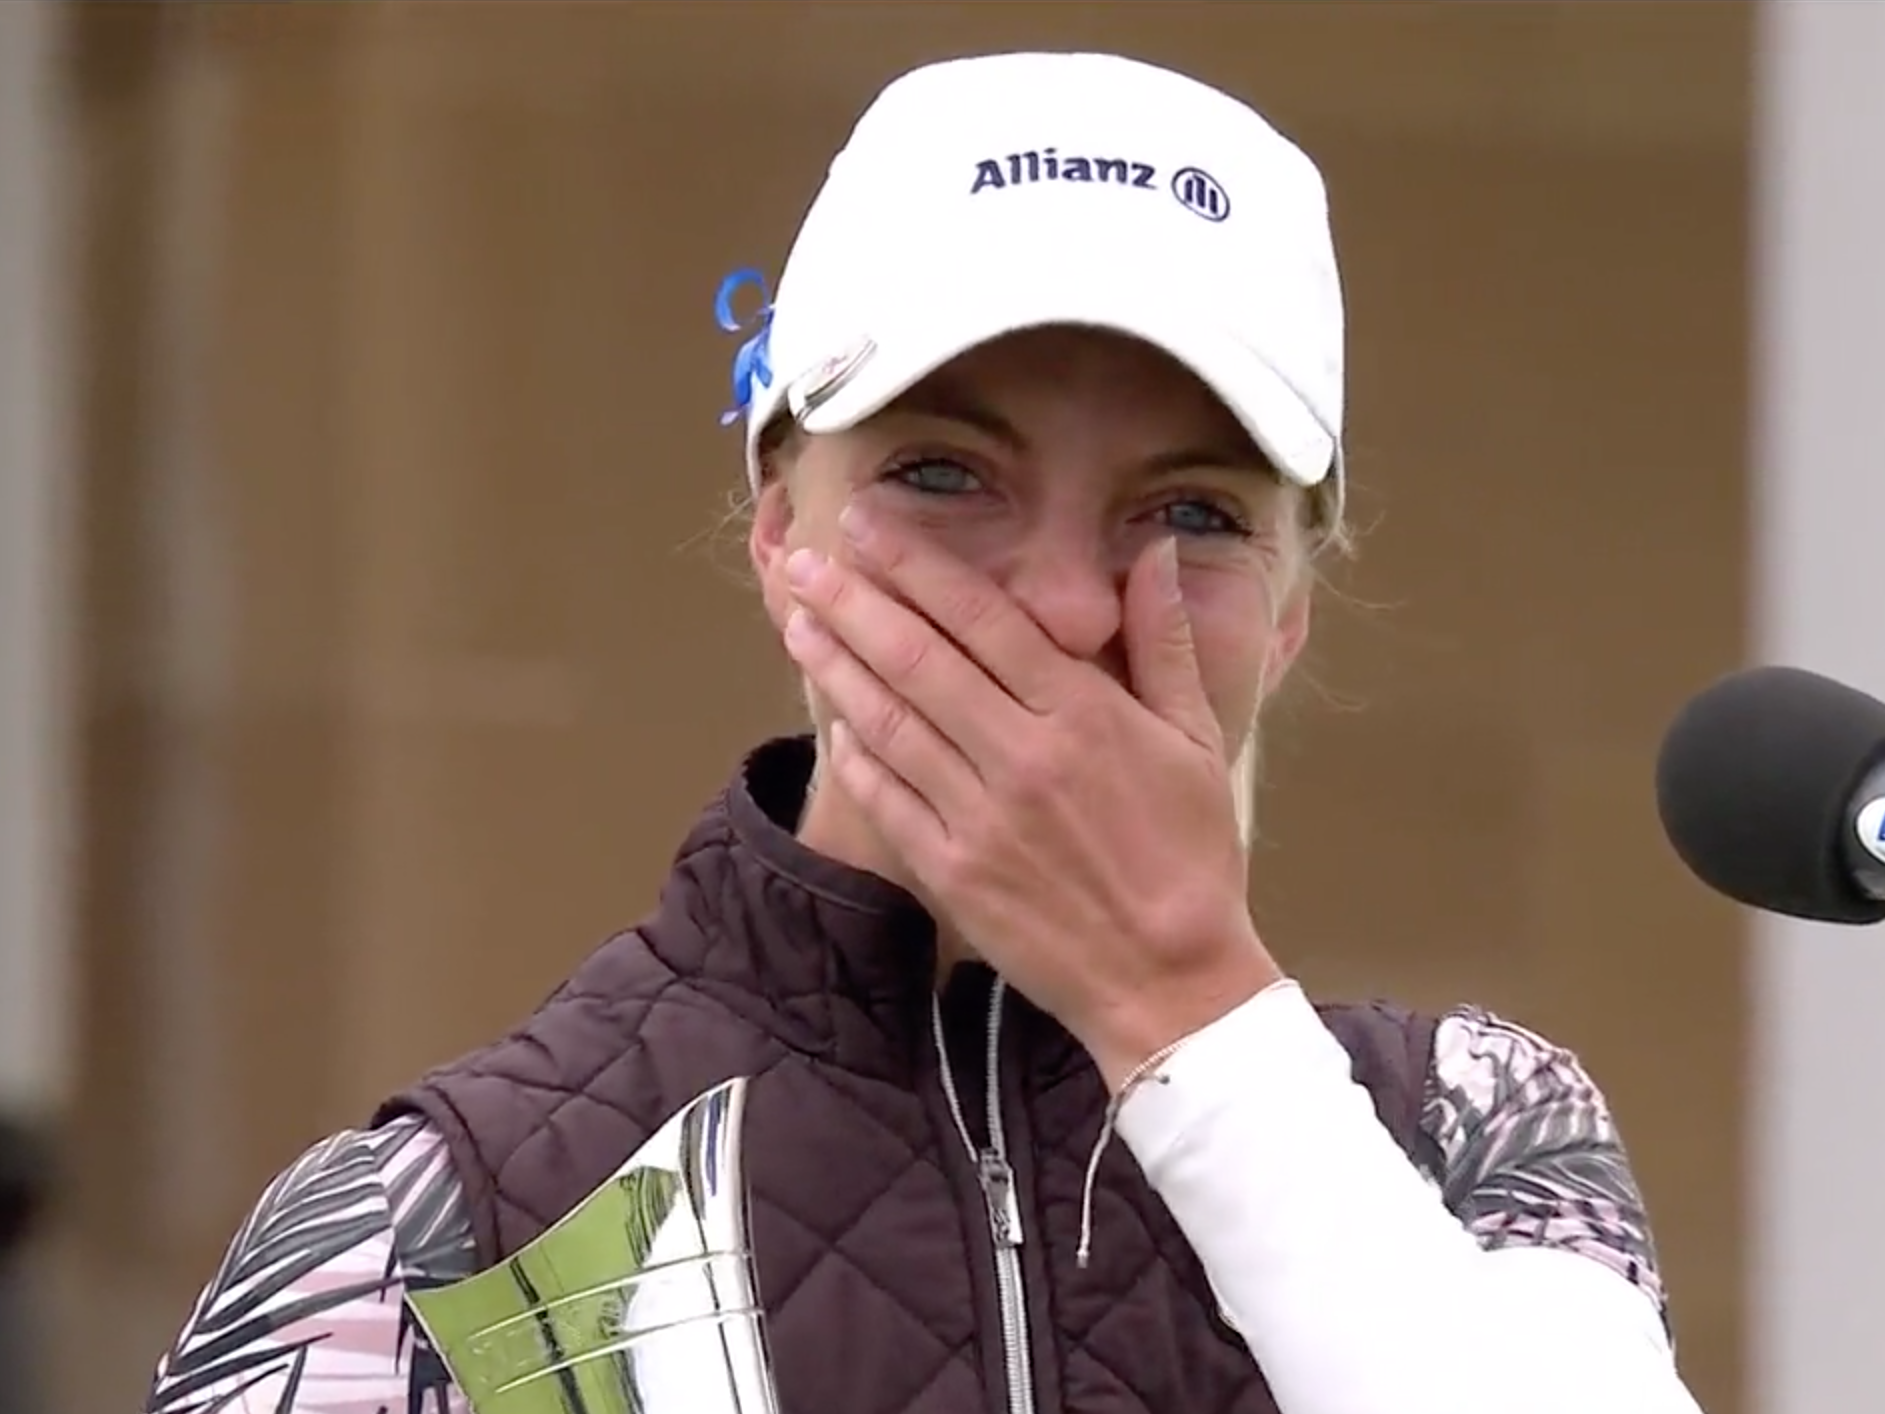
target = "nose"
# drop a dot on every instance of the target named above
(1072, 589)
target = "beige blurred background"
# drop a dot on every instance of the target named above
(407, 634)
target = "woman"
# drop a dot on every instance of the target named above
(1043, 428)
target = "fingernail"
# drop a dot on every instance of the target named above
(801, 567)
(800, 630)
(855, 522)
(1166, 569)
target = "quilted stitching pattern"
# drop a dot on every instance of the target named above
(870, 1239)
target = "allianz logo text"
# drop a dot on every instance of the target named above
(1192, 187)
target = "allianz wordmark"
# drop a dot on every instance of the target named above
(1195, 189)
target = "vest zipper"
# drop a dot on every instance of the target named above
(1002, 1201)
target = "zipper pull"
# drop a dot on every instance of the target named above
(1004, 1207)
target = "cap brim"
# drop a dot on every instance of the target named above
(1275, 416)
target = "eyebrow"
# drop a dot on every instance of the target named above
(951, 405)
(946, 405)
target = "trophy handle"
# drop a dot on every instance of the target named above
(641, 1300)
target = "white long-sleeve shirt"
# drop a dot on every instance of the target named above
(1342, 1265)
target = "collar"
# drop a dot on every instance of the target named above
(833, 960)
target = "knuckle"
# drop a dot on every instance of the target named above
(906, 657)
(889, 725)
(891, 553)
(968, 609)
(1039, 769)
(865, 784)
(957, 865)
(1083, 718)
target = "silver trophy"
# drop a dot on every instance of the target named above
(640, 1301)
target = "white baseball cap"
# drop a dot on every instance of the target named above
(979, 197)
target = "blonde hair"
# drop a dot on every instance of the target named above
(1317, 531)
(1243, 789)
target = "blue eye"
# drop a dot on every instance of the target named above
(935, 476)
(1193, 516)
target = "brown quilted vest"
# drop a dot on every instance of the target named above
(873, 1244)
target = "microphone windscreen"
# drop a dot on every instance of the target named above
(1754, 784)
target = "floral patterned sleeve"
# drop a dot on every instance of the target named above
(307, 1313)
(1527, 1153)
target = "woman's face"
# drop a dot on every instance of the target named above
(1049, 460)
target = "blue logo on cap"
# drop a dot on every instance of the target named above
(1199, 193)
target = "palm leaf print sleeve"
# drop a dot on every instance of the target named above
(307, 1313)
(1526, 1150)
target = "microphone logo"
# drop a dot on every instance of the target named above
(1869, 826)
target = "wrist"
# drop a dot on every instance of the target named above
(1124, 1038)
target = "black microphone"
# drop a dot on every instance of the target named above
(1771, 787)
